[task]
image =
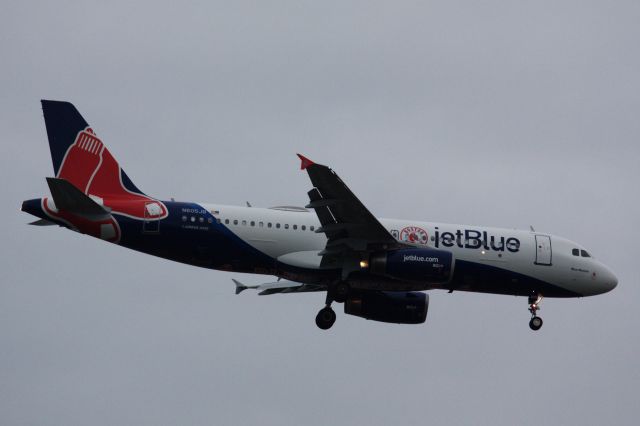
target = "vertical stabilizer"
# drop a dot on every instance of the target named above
(79, 155)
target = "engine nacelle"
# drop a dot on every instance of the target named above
(387, 306)
(414, 264)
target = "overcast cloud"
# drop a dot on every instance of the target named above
(495, 113)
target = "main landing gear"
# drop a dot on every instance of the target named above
(336, 293)
(534, 305)
(325, 318)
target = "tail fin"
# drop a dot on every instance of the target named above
(81, 159)
(79, 156)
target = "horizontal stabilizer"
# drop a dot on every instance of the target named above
(68, 197)
(42, 222)
(241, 287)
(282, 286)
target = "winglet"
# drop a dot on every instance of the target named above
(305, 162)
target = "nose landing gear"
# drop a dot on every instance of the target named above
(534, 304)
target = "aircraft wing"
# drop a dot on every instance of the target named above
(350, 227)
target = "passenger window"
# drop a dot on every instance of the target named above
(226, 221)
(575, 252)
(304, 227)
(253, 223)
(235, 222)
(584, 253)
(311, 228)
(269, 225)
(286, 226)
(278, 225)
(244, 223)
(295, 226)
(261, 224)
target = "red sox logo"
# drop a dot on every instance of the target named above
(414, 235)
(90, 167)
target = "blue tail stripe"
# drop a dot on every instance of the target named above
(63, 122)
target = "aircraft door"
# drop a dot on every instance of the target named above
(543, 250)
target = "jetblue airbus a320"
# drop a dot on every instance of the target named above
(378, 268)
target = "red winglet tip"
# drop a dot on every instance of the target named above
(305, 162)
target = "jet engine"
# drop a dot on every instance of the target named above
(414, 264)
(388, 306)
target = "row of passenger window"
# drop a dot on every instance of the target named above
(268, 224)
(578, 252)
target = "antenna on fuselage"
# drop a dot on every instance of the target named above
(248, 204)
(531, 227)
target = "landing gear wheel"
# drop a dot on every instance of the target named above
(535, 323)
(325, 318)
(534, 307)
(341, 292)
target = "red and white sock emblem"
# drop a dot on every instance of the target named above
(89, 166)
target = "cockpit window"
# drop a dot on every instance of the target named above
(575, 252)
(584, 253)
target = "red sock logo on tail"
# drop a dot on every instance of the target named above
(82, 160)
(90, 167)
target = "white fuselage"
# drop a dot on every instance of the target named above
(288, 235)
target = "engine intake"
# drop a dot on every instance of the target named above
(418, 265)
(387, 306)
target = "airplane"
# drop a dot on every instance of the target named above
(379, 269)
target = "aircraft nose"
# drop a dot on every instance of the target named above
(608, 279)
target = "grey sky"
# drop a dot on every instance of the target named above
(494, 113)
